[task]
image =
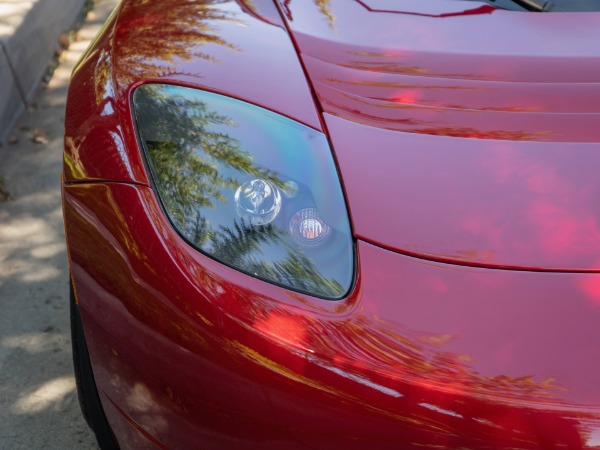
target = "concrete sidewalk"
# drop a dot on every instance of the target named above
(38, 399)
(29, 36)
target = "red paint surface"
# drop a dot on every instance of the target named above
(470, 139)
(189, 353)
(421, 353)
(500, 75)
(485, 202)
(208, 45)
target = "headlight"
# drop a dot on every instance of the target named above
(248, 187)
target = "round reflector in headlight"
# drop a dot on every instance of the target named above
(258, 201)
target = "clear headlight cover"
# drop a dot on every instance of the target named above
(248, 187)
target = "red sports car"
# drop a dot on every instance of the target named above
(337, 224)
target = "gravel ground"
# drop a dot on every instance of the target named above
(38, 401)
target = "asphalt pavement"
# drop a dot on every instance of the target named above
(38, 400)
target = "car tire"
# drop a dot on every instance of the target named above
(89, 400)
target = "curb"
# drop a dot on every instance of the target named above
(29, 33)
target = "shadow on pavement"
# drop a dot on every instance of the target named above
(38, 400)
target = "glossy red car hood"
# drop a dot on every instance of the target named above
(446, 349)
(463, 133)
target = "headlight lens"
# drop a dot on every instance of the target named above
(248, 187)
